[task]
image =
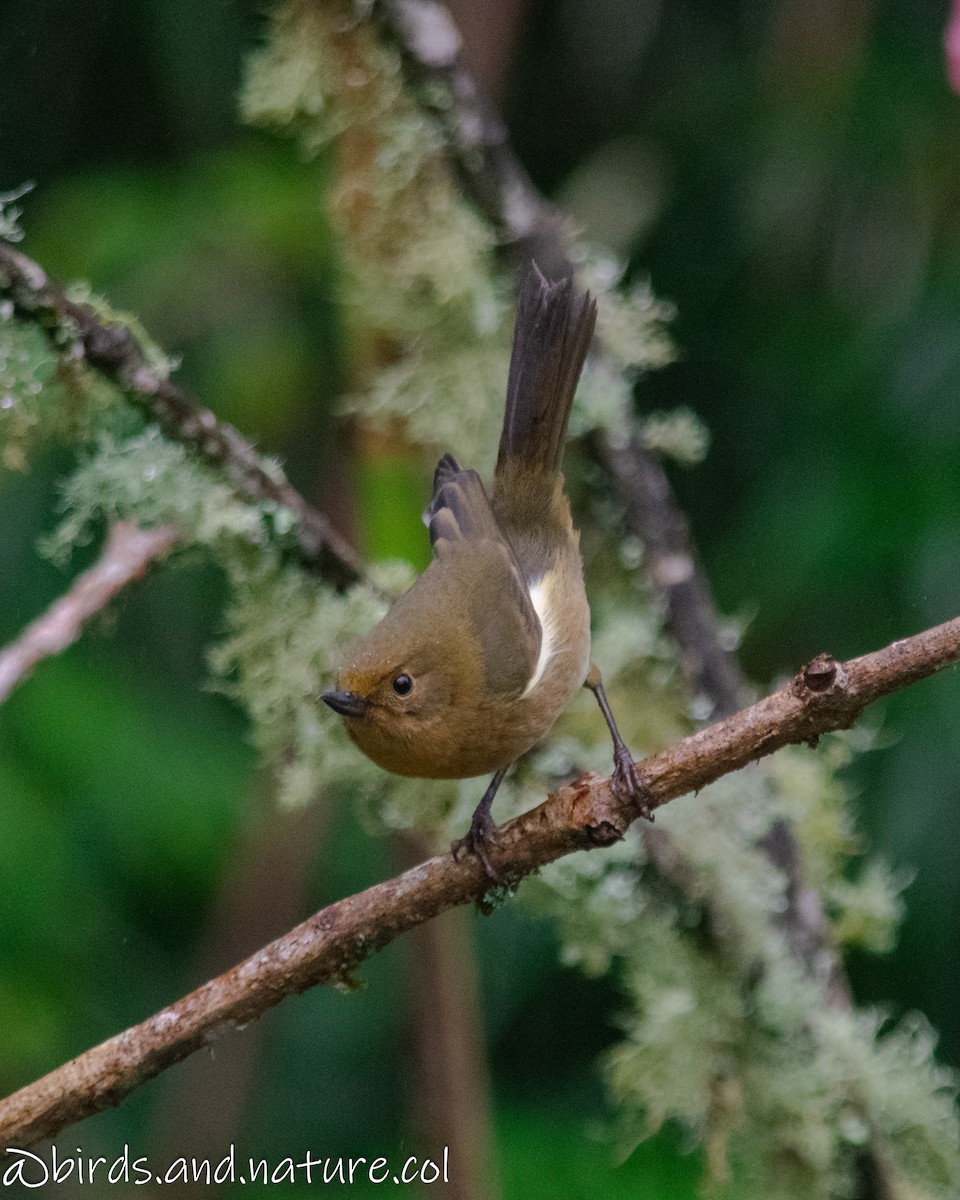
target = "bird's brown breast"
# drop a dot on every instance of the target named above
(480, 730)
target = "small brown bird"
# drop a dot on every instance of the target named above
(473, 665)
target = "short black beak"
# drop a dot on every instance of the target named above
(346, 703)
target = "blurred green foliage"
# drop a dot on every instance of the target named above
(794, 188)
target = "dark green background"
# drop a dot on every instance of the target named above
(798, 167)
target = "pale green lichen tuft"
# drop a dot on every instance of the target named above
(867, 911)
(27, 371)
(161, 364)
(816, 803)
(631, 321)
(48, 391)
(285, 637)
(10, 213)
(453, 400)
(287, 82)
(682, 1037)
(910, 1101)
(679, 434)
(595, 891)
(45, 395)
(604, 401)
(632, 329)
(152, 481)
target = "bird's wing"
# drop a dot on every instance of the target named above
(460, 507)
(463, 526)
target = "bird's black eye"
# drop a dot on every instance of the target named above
(403, 685)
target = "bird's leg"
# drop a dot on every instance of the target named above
(626, 781)
(482, 828)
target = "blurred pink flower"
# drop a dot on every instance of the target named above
(951, 45)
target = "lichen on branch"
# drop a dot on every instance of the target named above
(428, 304)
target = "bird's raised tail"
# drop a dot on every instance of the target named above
(553, 329)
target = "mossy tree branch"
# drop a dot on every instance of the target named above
(826, 695)
(77, 330)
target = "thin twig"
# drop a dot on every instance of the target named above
(114, 351)
(128, 552)
(826, 695)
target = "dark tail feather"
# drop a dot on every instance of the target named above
(552, 335)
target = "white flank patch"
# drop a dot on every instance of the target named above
(540, 598)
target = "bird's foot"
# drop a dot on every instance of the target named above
(479, 837)
(627, 783)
